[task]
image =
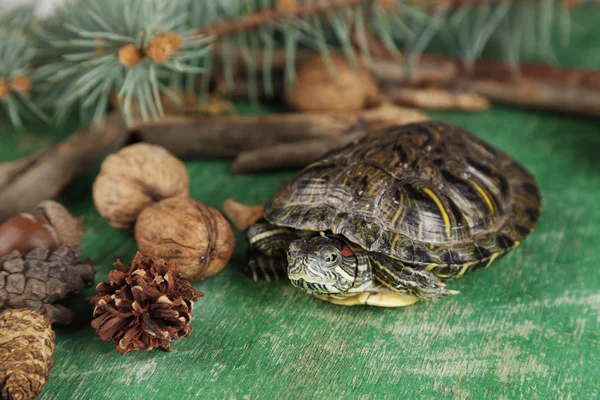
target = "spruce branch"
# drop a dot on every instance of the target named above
(17, 81)
(466, 27)
(129, 47)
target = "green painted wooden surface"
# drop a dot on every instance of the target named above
(525, 328)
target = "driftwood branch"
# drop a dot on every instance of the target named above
(226, 137)
(301, 154)
(541, 86)
(289, 155)
(436, 98)
(26, 182)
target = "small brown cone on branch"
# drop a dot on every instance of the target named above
(26, 350)
(286, 5)
(21, 84)
(387, 5)
(163, 47)
(130, 55)
(4, 90)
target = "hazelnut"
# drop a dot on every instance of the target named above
(197, 235)
(316, 88)
(49, 226)
(135, 177)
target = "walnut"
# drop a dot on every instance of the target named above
(319, 89)
(195, 234)
(135, 177)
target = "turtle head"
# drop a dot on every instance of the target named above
(322, 265)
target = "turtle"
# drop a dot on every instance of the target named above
(393, 217)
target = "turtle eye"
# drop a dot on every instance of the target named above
(289, 252)
(332, 258)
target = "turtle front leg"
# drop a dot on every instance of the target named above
(402, 279)
(267, 251)
(262, 267)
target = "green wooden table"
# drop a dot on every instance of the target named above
(526, 328)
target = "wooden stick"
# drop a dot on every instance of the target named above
(540, 95)
(532, 85)
(26, 182)
(301, 154)
(541, 86)
(289, 155)
(437, 98)
(225, 137)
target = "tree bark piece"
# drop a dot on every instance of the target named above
(437, 99)
(298, 155)
(540, 86)
(24, 183)
(242, 215)
(225, 137)
(289, 155)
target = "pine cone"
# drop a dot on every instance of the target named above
(41, 277)
(144, 306)
(26, 350)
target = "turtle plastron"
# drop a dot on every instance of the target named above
(378, 299)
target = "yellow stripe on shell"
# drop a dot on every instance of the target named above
(442, 209)
(482, 194)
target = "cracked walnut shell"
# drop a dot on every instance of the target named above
(194, 234)
(135, 177)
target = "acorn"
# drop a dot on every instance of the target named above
(49, 226)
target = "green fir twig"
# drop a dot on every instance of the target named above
(17, 81)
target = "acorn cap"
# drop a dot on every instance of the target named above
(69, 229)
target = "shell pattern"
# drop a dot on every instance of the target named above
(428, 194)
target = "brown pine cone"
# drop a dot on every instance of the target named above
(144, 306)
(41, 277)
(26, 350)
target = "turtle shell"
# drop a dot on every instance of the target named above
(428, 194)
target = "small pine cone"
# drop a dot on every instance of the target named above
(388, 5)
(144, 306)
(175, 40)
(130, 55)
(286, 5)
(4, 90)
(20, 83)
(26, 350)
(163, 47)
(41, 277)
